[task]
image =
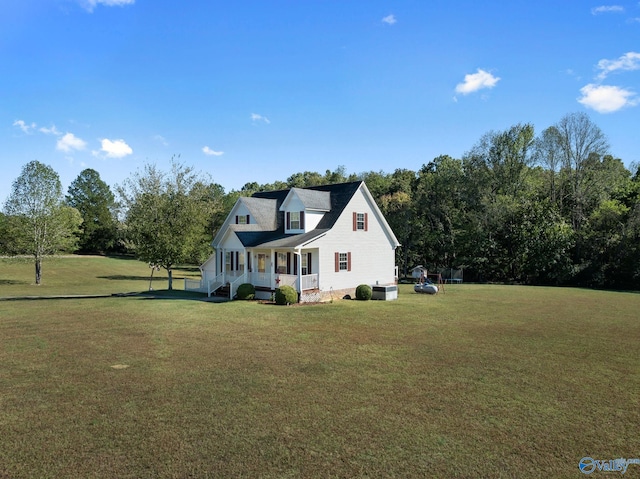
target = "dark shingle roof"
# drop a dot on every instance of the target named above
(263, 211)
(314, 199)
(339, 196)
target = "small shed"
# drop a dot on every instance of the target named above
(419, 272)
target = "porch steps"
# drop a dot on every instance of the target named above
(222, 291)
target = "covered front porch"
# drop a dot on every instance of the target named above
(265, 269)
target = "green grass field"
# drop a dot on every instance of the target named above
(481, 381)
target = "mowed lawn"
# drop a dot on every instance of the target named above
(481, 381)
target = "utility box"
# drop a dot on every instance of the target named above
(385, 293)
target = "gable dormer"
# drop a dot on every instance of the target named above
(303, 209)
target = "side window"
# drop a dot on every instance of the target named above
(342, 262)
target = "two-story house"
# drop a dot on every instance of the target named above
(324, 241)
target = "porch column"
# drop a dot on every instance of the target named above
(274, 272)
(247, 279)
(223, 266)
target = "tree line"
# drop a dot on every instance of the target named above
(555, 209)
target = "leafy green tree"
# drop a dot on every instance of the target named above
(497, 177)
(211, 204)
(306, 179)
(93, 198)
(41, 223)
(581, 141)
(166, 215)
(548, 152)
(438, 212)
(504, 159)
(395, 200)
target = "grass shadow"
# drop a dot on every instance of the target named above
(11, 282)
(122, 277)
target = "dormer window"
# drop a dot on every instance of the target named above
(295, 220)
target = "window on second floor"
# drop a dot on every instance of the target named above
(295, 220)
(294, 224)
(360, 221)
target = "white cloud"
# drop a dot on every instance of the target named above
(605, 98)
(115, 148)
(255, 117)
(26, 128)
(91, 4)
(607, 9)
(476, 81)
(389, 19)
(161, 139)
(209, 152)
(70, 142)
(627, 62)
(50, 131)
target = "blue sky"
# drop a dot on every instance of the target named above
(257, 90)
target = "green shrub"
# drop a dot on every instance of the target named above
(363, 292)
(286, 295)
(246, 291)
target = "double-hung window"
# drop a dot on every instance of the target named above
(360, 221)
(342, 262)
(294, 222)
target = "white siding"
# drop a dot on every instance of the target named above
(293, 205)
(231, 241)
(311, 220)
(372, 251)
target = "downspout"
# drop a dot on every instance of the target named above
(298, 253)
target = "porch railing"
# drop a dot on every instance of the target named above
(214, 284)
(269, 280)
(309, 281)
(287, 280)
(233, 285)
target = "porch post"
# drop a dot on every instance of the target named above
(247, 279)
(223, 266)
(273, 269)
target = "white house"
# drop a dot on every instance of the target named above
(324, 241)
